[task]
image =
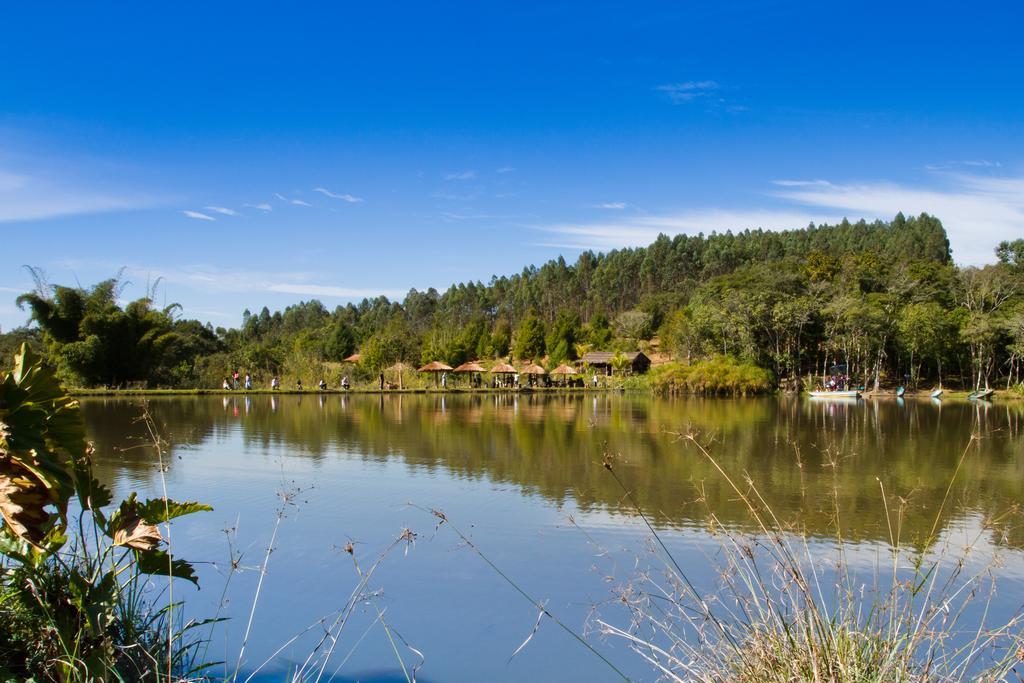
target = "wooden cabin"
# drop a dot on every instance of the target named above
(601, 361)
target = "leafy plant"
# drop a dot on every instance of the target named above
(68, 596)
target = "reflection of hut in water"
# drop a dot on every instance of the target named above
(601, 361)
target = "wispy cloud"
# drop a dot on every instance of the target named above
(35, 196)
(505, 169)
(310, 289)
(198, 215)
(977, 211)
(687, 91)
(451, 216)
(642, 230)
(289, 200)
(610, 205)
(222, 209)
(344, 197)
(263, 206)
(461, 175)
(969, 163)
(218, 280)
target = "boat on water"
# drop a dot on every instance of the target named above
(936, 393)
(834, 394)
(901, 391)
(981, 395)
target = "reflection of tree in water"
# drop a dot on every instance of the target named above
(797, 452)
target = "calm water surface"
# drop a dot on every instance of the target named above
(511, 471)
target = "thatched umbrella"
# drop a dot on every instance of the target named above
(436, 367)
(398, 368)
(469, 368)
(354, 358)
(533, 369)
(565, 370)
(503, 369)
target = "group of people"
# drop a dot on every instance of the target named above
(836, 383)
(232, 383)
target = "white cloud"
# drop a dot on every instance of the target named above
(687, 91)
(299, 202)
(309, 289)
(11, 181)
(611, 205)
(344, 197)
(461, 175)
(262, 206)
(218, 280)
(222, 209)
(25, 197)
(642, 230)
(977, 211)
(198, 215)
(505, 169)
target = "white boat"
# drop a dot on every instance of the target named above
(937, 393)
(834, 394)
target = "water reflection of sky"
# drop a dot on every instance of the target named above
(509, 471)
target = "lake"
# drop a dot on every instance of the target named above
(522, 477)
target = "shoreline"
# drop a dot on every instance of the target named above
(1001, 394)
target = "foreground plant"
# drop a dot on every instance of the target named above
(73, 589)
(780, 614)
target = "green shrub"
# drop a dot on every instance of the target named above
(720, 375)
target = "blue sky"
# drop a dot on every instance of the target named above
(262, 153)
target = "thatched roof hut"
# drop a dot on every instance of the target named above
(533, 369)
(354, 358)
(564, 370)
(435, 366)
(503, 369)
(470, 367)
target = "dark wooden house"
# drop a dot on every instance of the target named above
(601, 361)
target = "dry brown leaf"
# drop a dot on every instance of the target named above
(138, 534)
(23, 501)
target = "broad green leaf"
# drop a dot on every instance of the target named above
(159, 563)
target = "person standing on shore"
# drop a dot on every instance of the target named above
(381, 380)
(275, 384)
(248, 382)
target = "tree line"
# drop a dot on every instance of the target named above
(879, 301)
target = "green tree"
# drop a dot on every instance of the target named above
(340, 342)
(923, 330)
(561, 337)
(528, 342)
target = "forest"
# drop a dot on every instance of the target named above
(883, 301)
